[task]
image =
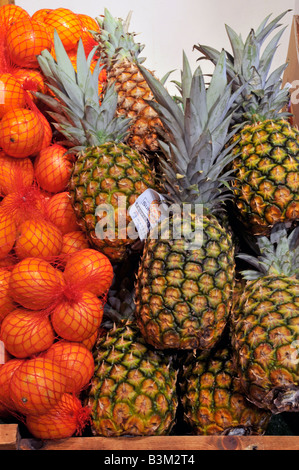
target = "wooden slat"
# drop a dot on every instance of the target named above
(165, 443)
(6, 2)
(8, 436)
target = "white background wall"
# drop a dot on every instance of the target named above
(167, 27)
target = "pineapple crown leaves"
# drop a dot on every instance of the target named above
(119, 307)
(279, 254)
(196, 151)
(115, 41)
(262, 92)
(78, 113)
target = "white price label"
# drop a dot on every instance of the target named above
(147, 211)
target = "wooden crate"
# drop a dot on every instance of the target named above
(164, 443)
(9, 435)
(6, 2)
(11, 439)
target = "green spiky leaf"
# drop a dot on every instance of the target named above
(79, 115)
(250, 66)
(279, 254)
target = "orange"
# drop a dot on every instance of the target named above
(9, 261)
(26, 38)
(6, 372)
(88, 23)
(72, 242)
(48, 134)
(67, 417)
(90, 269)
(15, 173)
(38, 238)
(6, 302)
(21, 132)
(26, 203)
(77, 319)
(11, 93)
(8, 233)
(75, 360)
(31, 80)
(67, 25)
(34, 283)
(102, 75)
(61, 212)
(37, 385)
(91, 341)
(40, 14)
(53, 168)
(11, 13)
(26, 332)
(72, 55)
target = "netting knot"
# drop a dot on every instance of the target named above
(83, 419)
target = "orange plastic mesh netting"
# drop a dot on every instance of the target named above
(77, 362)
(67, 418)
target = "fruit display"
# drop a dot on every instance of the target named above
(129, 218)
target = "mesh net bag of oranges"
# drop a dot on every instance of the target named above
(52, 283)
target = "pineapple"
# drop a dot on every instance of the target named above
(108, 175)
(133, 390)
(120, 55)
(185, 283)
(212, 399)
(264, 331)
(266, 166)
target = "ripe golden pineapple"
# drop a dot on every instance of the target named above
(213, 400)
(120, 55)
(108, 174)
(264, 327)
(185, 284)
(133, 390)
(267, 154)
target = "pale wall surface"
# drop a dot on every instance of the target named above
(167, 27)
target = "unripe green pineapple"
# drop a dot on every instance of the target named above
(266, 167)
(265, 321)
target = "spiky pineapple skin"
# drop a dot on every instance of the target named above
(101, 175)
(133, 390)
(133, 93)
(264, 334)
(213, 400)
(183, 296)
(266, 167)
